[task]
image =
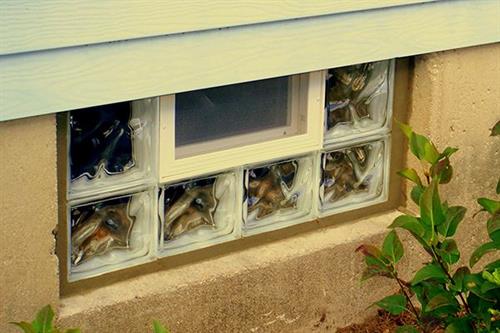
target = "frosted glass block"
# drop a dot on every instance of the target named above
(110, 234)
(358, 100)
(200, 212)
(111, 146)
(354, 176)
(235, 115)
(278, 194)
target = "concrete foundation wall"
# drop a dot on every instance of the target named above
(286, 284)
(28, 218)
(455, 100)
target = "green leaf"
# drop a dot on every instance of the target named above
(482, 250)
(448, 152)
(488, 286)
(375, 267)
(423, 149)
(442, 170)
(426, 290)
(416, 193)
(43, 320)
(374, 257)
(445, 174)
(410, 223)
(479, 307)
(406, 129)
(493, 277)
(454, 215)
(459, 276)
(491, 206)
(159, 328)
(392, 248)
(473, 282)
(429, 271)
(406, 329)
(442, 300)
(496, 129)
(394, 304)
(373, 261)
(371, 271)
(459, 325)
(26, 327)
(448, 251)
(431, 210)
(73, 330)
(492, 265)
(493, 227)
(416, 228)
(372, 251)
(410, 174)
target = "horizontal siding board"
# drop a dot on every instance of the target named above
(51, 81)
(29, 25)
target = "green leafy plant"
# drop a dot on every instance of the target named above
(159, 328)
(440, 293)
(43, 323)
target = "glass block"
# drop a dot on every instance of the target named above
(110, 234)
(111, 146)
(230, 116)
(354, 176)
(277, 194)
(358, 100)
(198, 213)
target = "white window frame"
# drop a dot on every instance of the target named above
(172, 167)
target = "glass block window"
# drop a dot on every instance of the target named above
(354, 175)
(253, 154)
(198, 213)
(358, 100)
(278, 193)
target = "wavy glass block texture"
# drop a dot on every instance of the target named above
(110, 234)
(354, 176)
(358, 100)
(111, 146)
(198, 213)
(277, 194)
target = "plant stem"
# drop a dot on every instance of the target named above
(402, 284)
(415, 312)
(443, 267)
(425, 172)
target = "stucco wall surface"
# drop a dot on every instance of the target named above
(28, 216)
(455, 100)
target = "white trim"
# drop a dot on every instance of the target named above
(297, 89)
(173, 168)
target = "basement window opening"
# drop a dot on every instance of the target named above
(161, 176)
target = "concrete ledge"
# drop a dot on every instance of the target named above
(288, 284)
